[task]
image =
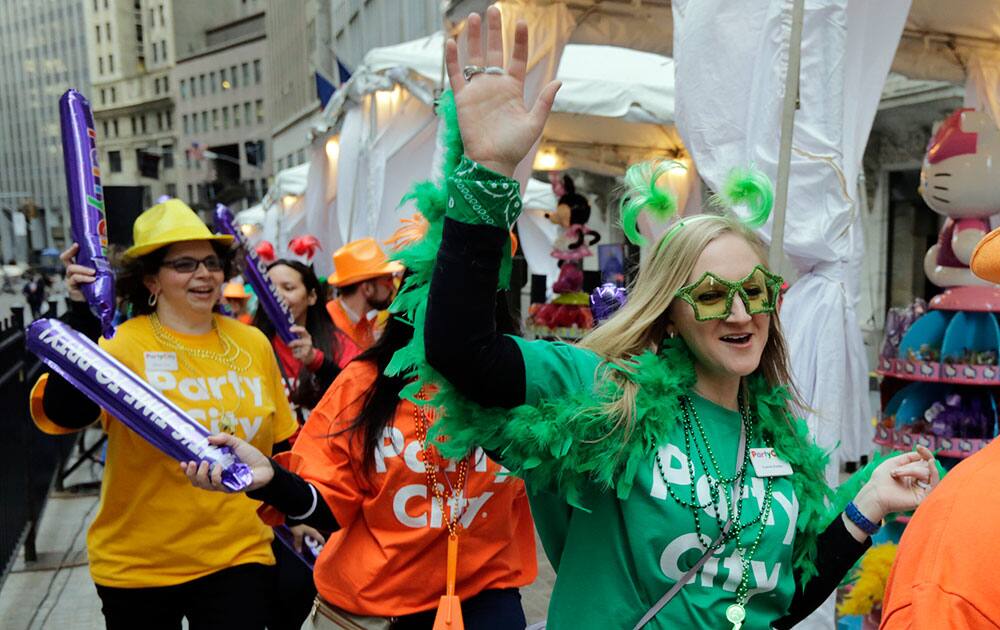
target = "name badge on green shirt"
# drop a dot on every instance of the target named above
(766, 463)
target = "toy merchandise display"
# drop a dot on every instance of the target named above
(568, 315)
(939, 360)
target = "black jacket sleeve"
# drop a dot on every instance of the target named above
(327, 372)
(836, 553)
(461, 338)
(61, 401)
(294, 496)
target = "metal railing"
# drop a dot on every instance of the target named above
(28, 458)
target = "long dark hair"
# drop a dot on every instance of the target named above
(130, 284)
(321, 328)
(382, 397)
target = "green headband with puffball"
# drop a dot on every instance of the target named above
(748, 187)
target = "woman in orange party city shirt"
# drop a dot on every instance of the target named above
(359, 467)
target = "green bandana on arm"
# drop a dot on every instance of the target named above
(480, 196)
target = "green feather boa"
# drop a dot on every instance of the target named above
(561, 444)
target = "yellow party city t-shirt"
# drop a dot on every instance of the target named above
(152, 527)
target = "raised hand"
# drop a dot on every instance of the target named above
(497, 129)
(75, 274)
(302, 348)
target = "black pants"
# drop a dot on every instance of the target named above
(494, 609)
(237, 598)
(294, 590)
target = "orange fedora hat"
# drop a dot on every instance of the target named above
(361, 260)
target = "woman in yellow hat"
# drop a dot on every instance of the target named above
(159, 550)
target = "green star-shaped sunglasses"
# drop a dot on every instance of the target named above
(711, 297)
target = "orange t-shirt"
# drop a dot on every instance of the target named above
(361, 332)
(944, 575)
(390, 556)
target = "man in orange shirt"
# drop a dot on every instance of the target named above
(363, 277)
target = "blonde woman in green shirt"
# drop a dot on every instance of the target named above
(671, 484)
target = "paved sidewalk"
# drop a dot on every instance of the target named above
(56, 591)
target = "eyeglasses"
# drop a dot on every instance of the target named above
(190, 265)
(711, 297)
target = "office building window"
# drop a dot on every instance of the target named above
(215, 119)
(190, 198)
(224, 80)
(281, 164)
(97, 32)
(104, 126)
(100, 65)
(301, 155)
(171, 190)
(107, 30)
(156, 86)
(156, 57)
(169, 116)
(114, 94)
(201, 85)
(111, 63)
(260, 111)
(114, 124)
(142, 123)
(194, 123)
(184, 88)
(163, 49)
(95, 6)
(186, 124)
(103, 96)
(115, 161)
(168, 158)
(246, 73)
(225, 118)
(135, 127)
(236, 115)
(163, 21)
(211, 81)
(204, 121)
(159, 119)
(257, 74)
(246, 114)
(232, 75)
(166, 84)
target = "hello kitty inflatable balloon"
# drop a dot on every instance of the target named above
(960, 179)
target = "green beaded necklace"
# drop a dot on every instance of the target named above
(718, 483)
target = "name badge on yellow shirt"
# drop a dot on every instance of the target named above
(161, 361)
(766, 463)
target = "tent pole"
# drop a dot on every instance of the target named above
(776, 253)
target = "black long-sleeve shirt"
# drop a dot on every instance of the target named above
(462, 343)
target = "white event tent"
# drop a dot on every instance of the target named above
(378, 137)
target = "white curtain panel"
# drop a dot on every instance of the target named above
(731, 61)
(982, 86)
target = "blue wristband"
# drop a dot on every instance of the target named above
(861, 520)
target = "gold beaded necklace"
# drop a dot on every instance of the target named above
(231, 356)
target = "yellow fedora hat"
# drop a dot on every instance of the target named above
(171, 221)
(361, 260)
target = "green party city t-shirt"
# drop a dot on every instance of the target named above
(616, 561)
